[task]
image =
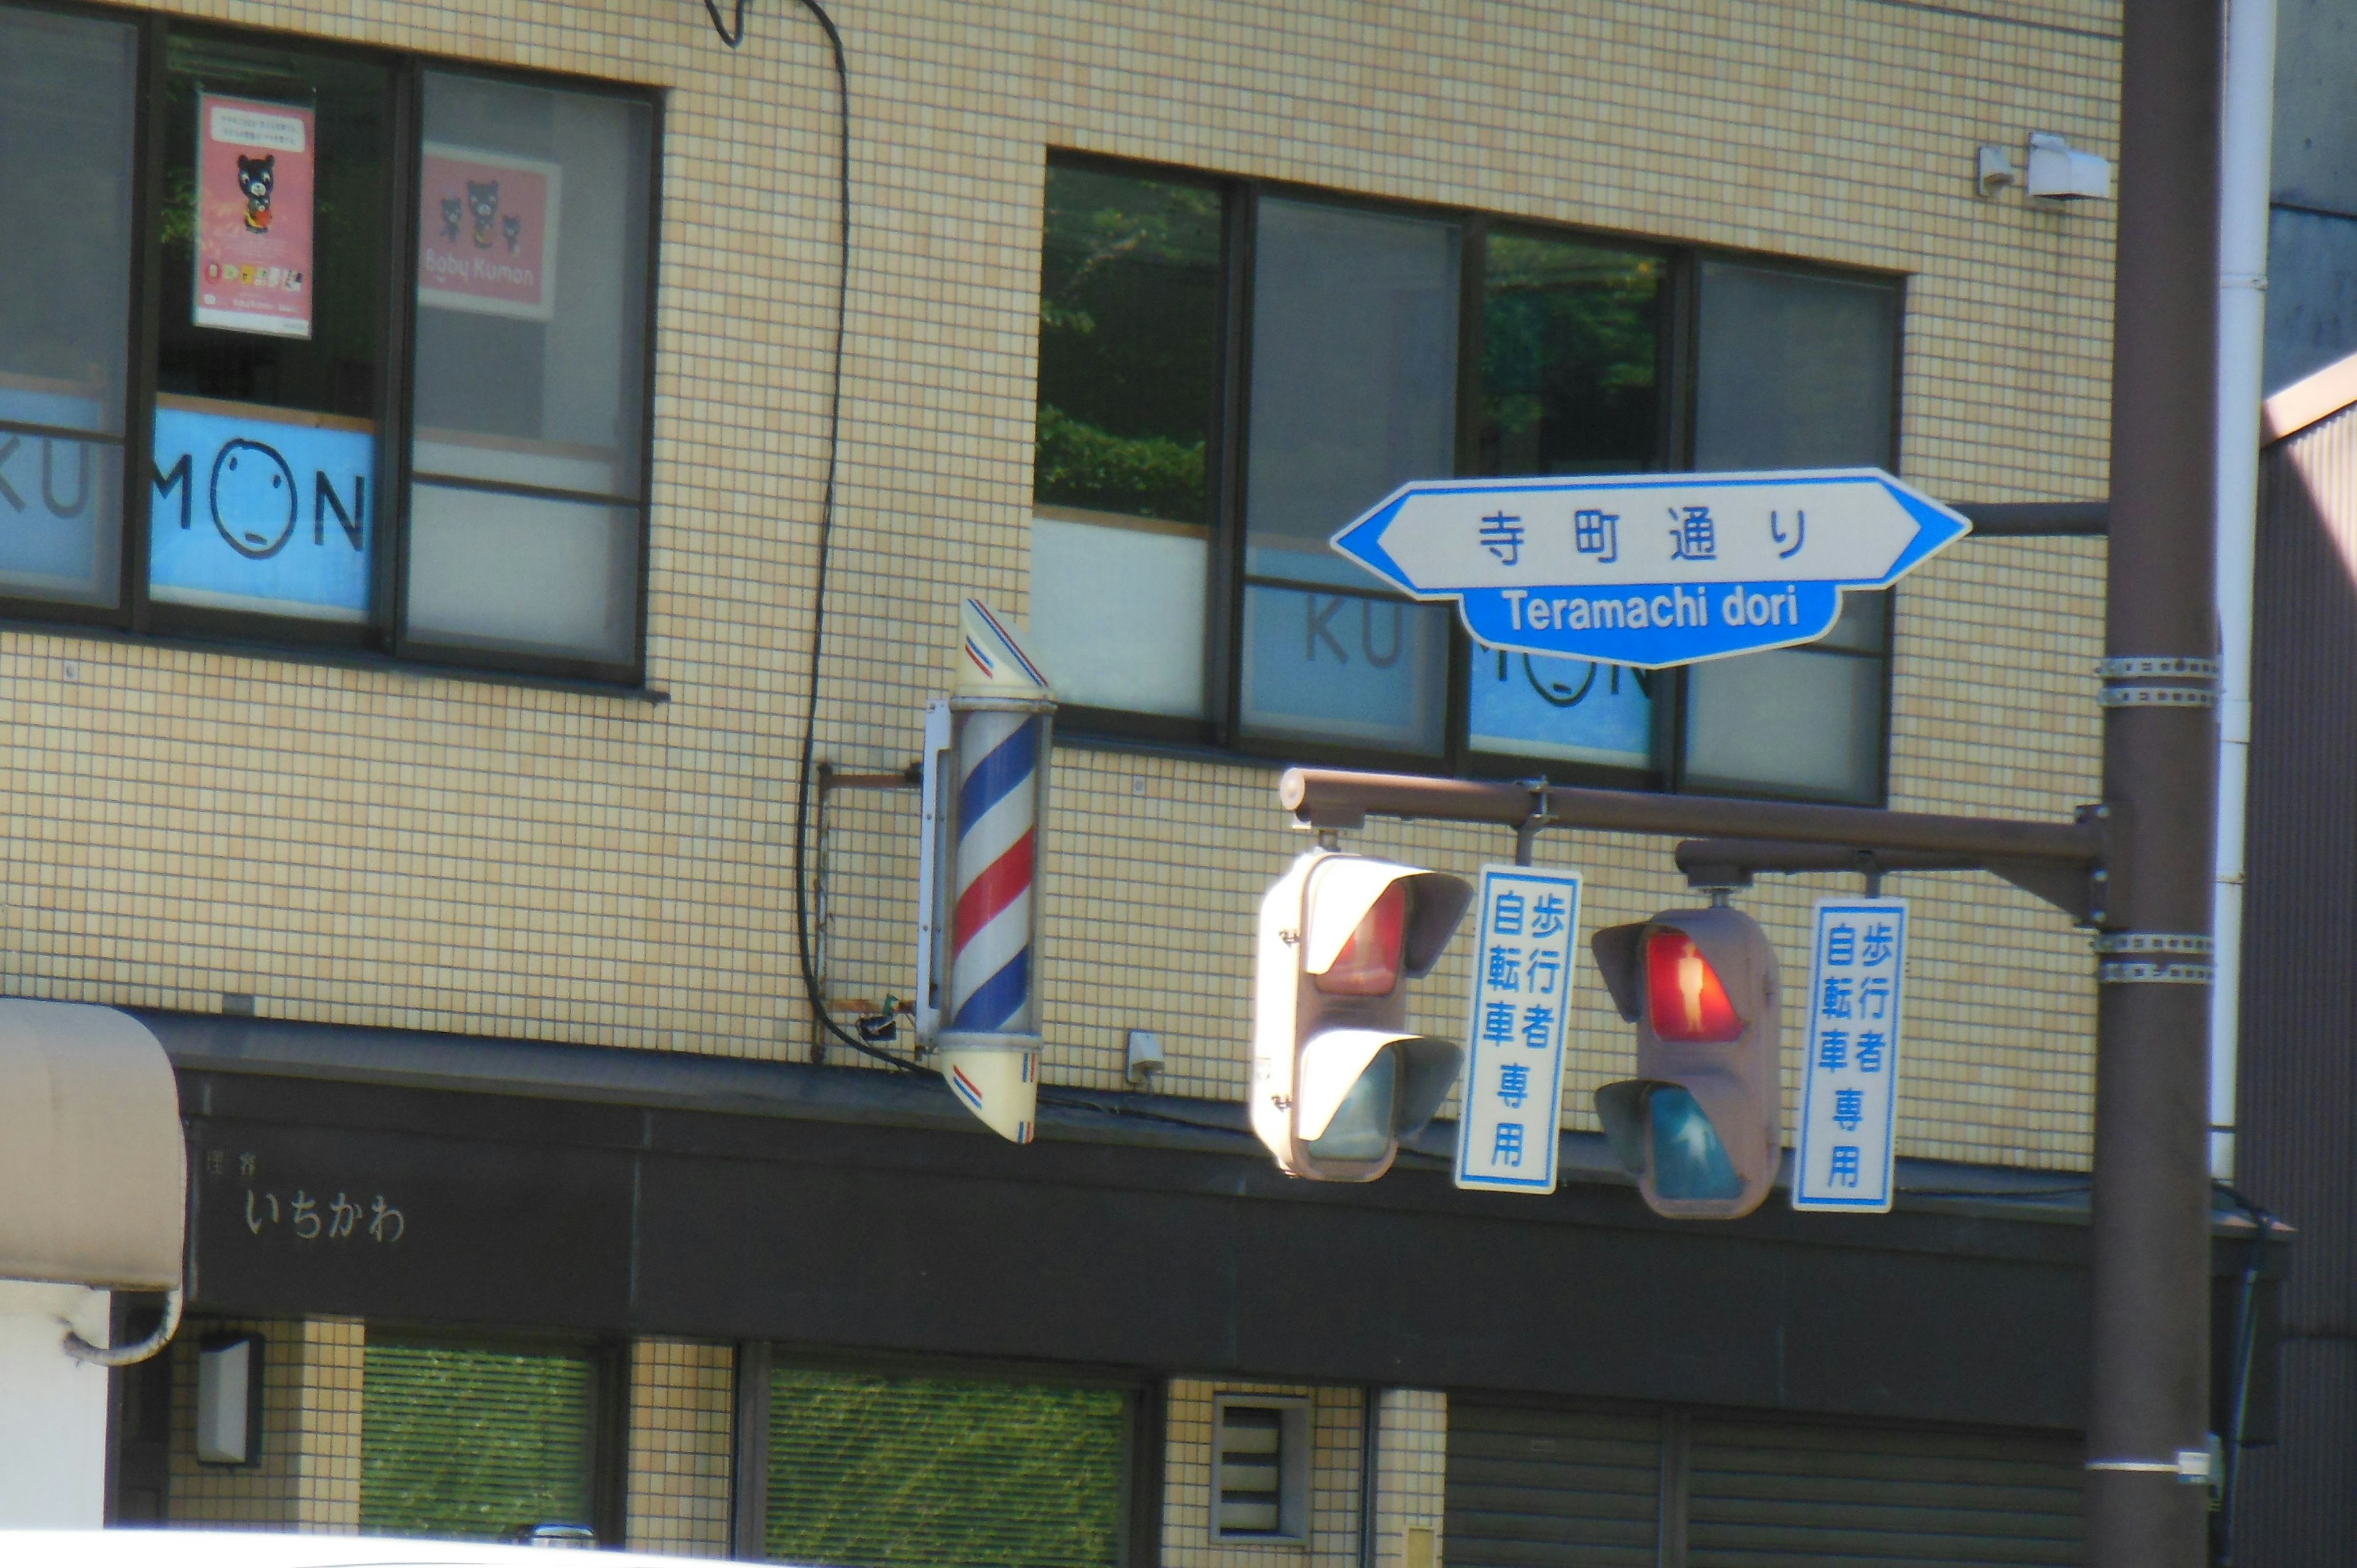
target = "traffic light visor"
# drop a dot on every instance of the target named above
(1369, 963)
(1684, 998)
(1360, 1127)
(1342, 900)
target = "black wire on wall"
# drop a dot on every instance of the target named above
(733, 36)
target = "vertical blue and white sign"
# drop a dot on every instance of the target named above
(1849, 1079)
(1526, 940)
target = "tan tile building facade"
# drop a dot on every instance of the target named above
(397, 847)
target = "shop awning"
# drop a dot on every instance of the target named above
(93, 1172)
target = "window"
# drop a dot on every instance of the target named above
(487, 1440)
(1229, 372)
(946, 1472)
(355, 357)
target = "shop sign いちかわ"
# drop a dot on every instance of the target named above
(487, 227)
(255, 164)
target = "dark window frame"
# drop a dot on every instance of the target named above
(1147, 1396)
(1218, 733)
(383, 639)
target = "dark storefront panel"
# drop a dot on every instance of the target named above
(602, 1220)
(944, 1472)
(1788, 1492)
(1535, 1488)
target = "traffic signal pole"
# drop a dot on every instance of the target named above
(2148, 1411)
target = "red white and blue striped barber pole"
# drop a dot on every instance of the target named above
(986, 781)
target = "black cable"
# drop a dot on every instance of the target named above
(825, 527)
(731, 40)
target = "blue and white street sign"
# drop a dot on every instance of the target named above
(1849, 1080)
(1526, 944)
(1651, 570)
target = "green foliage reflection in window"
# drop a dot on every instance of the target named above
(877, 1472)
(1569, 336)
(465, 1441)
(1129, 310)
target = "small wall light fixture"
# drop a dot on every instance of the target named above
(229, 1400)
(1145, 1057)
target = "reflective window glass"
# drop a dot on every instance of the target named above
(274, 237)
(1353, 391)
(1795, 371)
(1570, 350)
(528, 443)
(1129, 354)
(66, 114)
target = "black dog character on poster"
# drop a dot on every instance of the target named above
(255, 178)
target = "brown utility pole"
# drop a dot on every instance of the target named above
(2148, 1415)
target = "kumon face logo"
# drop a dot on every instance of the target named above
(253, 513)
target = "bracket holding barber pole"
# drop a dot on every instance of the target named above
(986, 753)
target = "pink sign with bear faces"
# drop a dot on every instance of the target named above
(486, 232)
(255, 164)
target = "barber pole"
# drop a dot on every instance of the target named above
(987, 768)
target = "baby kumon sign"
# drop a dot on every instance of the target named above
(487, 231)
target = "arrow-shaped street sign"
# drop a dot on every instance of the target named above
(1651, 569)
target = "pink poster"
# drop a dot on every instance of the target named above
(488, 232)
(255, 164)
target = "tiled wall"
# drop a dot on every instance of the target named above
(417, 851)
(682, 1431)
(309, 1474)
(1411, 1473)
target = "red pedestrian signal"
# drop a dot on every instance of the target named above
(1701, 1125)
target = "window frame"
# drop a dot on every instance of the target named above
(383, 639)
(1218, 733)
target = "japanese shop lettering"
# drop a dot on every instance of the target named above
(309, 1216)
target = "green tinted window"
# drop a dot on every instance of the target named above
(1129, 312)
(918, 1472)
(457, 1440)
(1569, 350)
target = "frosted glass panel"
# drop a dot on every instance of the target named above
(1344, 668)
(1791, 723)
(1117, 614)
(523, 574)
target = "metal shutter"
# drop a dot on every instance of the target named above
(889, 1472)
(1845, 1497)
(467, 1441)
(1538, 1488)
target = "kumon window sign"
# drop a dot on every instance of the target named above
(487, 227)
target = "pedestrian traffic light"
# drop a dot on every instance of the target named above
(1701, 1125)
(1338, 1080)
